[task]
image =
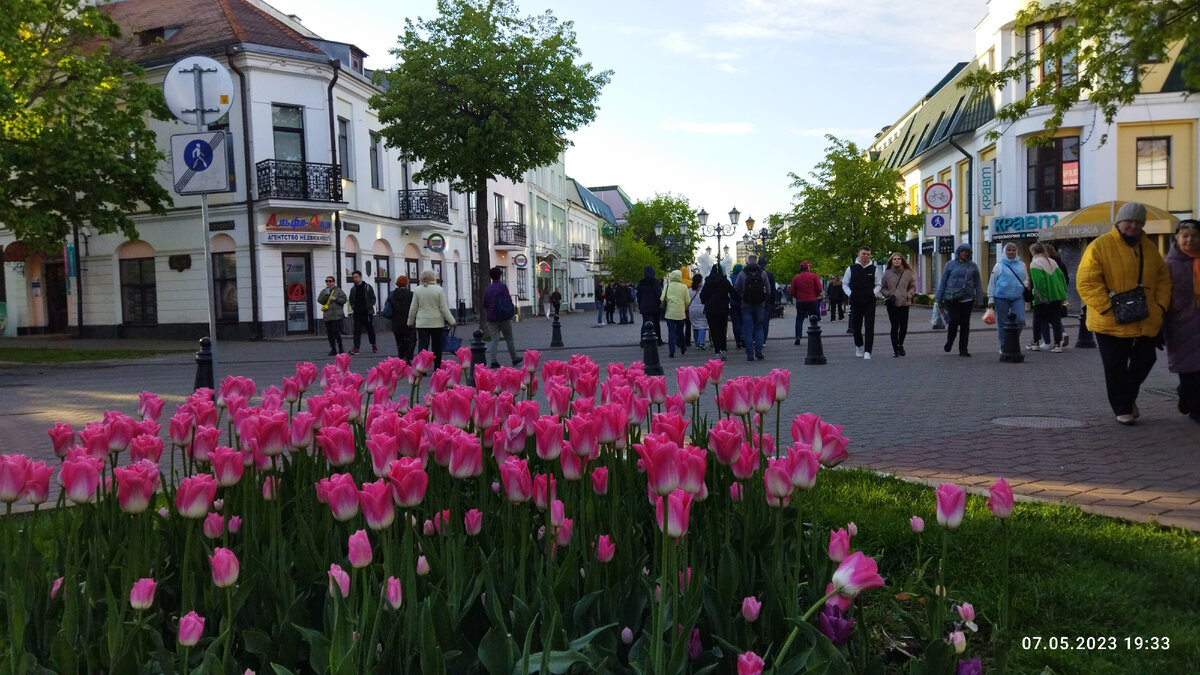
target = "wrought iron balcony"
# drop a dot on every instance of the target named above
(581, 251)
(309, 181)
(510, 233)
(424, 205)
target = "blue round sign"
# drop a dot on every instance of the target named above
(198, 155)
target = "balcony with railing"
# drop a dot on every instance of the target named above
(581, 251)
(304, 181)
(425, 205)
(510, 235)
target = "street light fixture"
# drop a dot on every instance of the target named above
(672, 241)
(759, 241)
(718, 230)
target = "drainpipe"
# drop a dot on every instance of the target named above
(970, 188)
(337, 218)
(256, 332)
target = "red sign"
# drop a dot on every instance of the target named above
(296, 292)
(938, 196)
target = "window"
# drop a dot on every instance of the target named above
(139, 295)
(436, 266)
(520, 212)
(1059, 70)
(1052, 180)
(382, 279)
(1154, 162)
(351, 265)
(412, 271)
(224, 266)
(343, 141)
(288, 126)
(376, 159)
(497, 208)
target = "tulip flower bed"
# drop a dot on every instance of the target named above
(405, 521)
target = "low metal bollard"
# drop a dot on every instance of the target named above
(478, 354)
(1085, 339)
(556, 332)
(1011, 351)
(650, 350)
(816, 353)
(204, 365)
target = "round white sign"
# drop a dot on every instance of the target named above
(938, 196)
(180, 90)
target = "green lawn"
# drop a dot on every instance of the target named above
(1074, 575)
(49, 355)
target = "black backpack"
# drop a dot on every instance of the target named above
(504, 307)
(756, 288)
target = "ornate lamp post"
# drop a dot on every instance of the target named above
(718, 230)
(673, 241)
(759, 241)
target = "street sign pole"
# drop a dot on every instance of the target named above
(198, 76)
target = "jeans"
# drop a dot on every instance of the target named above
(431, 339)
(362, 321)
(699, 335)
(1127, 362)
(735, 318)
(717, 324)
(498, 329)
(1003, 305)
(599, 312)
(898, 317)
(803, 311)
(1046, 316)
(862, 321)
(754, 328)
(674, 335)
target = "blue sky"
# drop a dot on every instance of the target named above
(717, 100)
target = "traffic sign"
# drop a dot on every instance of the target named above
(198, 90)
(937, 225)
(938, 196)
(198, 163)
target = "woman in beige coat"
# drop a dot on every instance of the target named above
(429, 314)
(898, 287)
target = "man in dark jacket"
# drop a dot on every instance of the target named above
(648, 291)
(753, 287)
(598, 294)
(362, 303)
(401, 299)
(624, 299)
(862, 285)
(499, 322)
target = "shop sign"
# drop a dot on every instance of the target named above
(283, 230)
(1018, 227)
(436, 243)
(987, 187)
(521, 260)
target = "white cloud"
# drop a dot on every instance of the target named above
(709, 128)
(856, 135)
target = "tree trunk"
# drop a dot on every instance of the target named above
(479, 278)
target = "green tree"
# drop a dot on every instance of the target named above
(849, 202)
(74, 145)
(481, 92)
(677, 217)
(1098, 49)
(630, 257)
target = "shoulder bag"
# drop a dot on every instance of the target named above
(1130, 306)
(1026, 292)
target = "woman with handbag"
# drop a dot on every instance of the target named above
(898, 287)
(675, 298)
(429, 314)
(1008, 291)
(1125, 284)
(1049, 292)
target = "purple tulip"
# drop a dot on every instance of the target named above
(835, 626)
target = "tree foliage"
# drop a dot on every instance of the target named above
(1101, 49)
(481, 92)
(849, 202)
(677, 217)
(630, 257)
(74, 144)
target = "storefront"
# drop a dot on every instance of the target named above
(297, 235)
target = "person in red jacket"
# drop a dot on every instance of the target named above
(806, 289)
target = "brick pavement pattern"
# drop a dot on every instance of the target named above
(929, 416)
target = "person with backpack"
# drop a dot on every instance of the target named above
(396, 309)
(863, 287)
(499, 312)
(960, 289)
(754, 292)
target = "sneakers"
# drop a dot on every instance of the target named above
(759, 356)
(722, 356)
(1056, 349)
(1127, 420)
(901, 350)
(866, 356)
(374, 349)
(354, 351)
(1066, 340)
(858, 352)
(1035, 347)
(797, 341)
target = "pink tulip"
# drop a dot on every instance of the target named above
(337, 442)
(408, 481)
(803, 466)
(141, 596)
(679, 504)
(917, 523)
(692, 464)
(691, 382)
(225, 567)
(214, 525)
(342, 495)
(626, 636)
(1001, 499)
(839, 545)
(228, 465)
(549, 433)
(270, 488)
(856, 574)
(204, 441)
(605, 548)
(339, 581)
(531, 360)
(782, 379)
(393, 593)
(191, 627)
(966, 612)
(661, 464)
(544, 491)
(833, 446)
(725, 440)
(61, 438)
(195, 495)
(584, 439)
(235, 524)
(557, 512)
(852, 529)
(94, 437)
(518, 483)
(715, 369)
(378, 505)
(951, 503)
(747, 462)
(181, 427)
(750, 664)
(559, 399)
(14, 473)
(562, 533)
(383, 449)
(600, 480)
(670, 425)
(145, 446)
(841, 602)
(777, 479)
(473, 522)
(762, 394)
(466, 457)
(360, 549)
(301, 432)
(136, 485)
(37, 482)
(751, 608)
(572, 464)
(735, 492)
(273, 435)
(422, 566)
(80, 477)
(958, 641)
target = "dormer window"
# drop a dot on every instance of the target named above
(356, 62)
(151, 36)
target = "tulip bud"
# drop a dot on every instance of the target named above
(473, 522)
(627, 635)
(422, 566)
(959, 641)
(235, 524)
(214, 525)
(191, 627)
(54, 587)
(917, 523)
(141, 596)
(394, 597)
(751, 608)
(360, 550)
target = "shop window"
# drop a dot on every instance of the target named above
(382, 279)
(224, 266)
(351, 265)
(1154, 162)
(436, 266)
(139, 294)
(412, 271)
(1052, 179)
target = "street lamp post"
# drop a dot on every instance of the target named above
(718, 230)
(758, 242)
(673, 241)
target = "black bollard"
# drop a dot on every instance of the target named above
(204, 365)
(650, 350)
(816, 353)
(556, 332)
(478, 354)
(1011, 352)
(1085, 339)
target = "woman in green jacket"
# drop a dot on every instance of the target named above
(675, 298)
(1049, 292)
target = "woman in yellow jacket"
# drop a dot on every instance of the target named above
(675, 298)
(1115, 263)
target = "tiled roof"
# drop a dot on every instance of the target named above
(948, 110)
(594, 204)
(196, 27)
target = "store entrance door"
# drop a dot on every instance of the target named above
(297, 292)
(54, 273)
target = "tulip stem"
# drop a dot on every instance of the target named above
(229, 622)
(1005, 604)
